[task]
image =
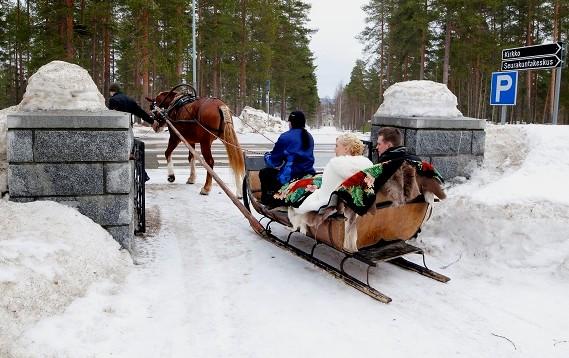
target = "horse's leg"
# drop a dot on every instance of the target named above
(238, 184)
(192, 160)
(172, 144)
(206, 152)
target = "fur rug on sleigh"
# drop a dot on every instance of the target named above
(395, 181)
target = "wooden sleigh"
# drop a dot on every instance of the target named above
(381, 233)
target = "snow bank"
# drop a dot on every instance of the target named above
(515, 209)
(260, 121)
(61, 86)
(418, 99)
(49, 255)
(3, 152)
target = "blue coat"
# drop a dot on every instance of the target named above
(294, 162)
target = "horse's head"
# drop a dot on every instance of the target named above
(164, 99)
(159, 104)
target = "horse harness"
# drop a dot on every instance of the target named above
(160, 115)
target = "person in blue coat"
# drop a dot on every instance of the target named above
(291, 158)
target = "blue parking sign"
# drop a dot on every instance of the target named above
(504, 88)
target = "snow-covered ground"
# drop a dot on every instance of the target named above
(207, 286)
(49, 256)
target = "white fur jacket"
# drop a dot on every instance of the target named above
(337, 170)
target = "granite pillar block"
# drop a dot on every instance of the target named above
(410, 139)
(66, 119)
(55, 179)
(118, 177)
(80, 146)
(103, 209)
(439, 142)
(20, 146)
(460, 165)
(478, 142)
(124, 235)
(77, 158)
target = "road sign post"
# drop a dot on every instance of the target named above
(544, 56)
(532, 51)
(551, 61)
(558, 87)
(503, 91)
(503, 116)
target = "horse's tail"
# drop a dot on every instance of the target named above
(232, 146)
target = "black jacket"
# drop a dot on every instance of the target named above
(121, 102)
(397, 153)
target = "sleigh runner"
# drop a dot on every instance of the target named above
(376, 231)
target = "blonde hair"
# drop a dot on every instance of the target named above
(352, 143)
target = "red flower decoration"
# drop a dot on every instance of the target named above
(302, 183)
(427, 167)
(356, 179)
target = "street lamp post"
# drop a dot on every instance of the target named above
(194, 76)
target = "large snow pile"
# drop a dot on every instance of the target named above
(3, 152)
(418, 99)
(61, 86)
(49, 255)
(514, 211)
(260, 121)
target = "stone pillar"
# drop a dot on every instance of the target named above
(76, 158)
(453, 145)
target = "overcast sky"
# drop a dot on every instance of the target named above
(334, 45)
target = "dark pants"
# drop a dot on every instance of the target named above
(270, 184)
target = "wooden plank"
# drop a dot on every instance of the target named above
(385, 251)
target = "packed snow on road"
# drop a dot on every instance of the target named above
(206, 285)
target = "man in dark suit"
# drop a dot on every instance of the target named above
(121, 102)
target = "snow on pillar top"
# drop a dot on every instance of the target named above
(61, 86)
(419, 99)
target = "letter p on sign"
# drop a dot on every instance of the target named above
(504, 88)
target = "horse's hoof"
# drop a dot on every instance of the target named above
(204, 192)
(171, 178)
(190, 181)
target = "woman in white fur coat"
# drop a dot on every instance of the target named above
(348, 161)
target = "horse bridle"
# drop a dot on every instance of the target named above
(158, 114)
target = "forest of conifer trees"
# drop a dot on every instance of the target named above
(145, 45)
(459, 43)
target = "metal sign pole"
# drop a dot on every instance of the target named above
(503, 117)
(558, 71)
(268, 91)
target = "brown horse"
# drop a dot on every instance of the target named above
(201, 121)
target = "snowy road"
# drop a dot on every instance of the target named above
(237, 296)
(207, 286)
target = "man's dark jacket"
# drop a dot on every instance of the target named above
(121, 102)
